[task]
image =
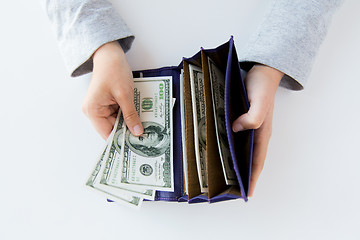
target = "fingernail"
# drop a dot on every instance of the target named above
(138, 130)
(237, 127)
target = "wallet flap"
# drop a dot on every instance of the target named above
(236, 104)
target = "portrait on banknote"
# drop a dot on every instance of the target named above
(202, 132)
(152, 143)
(118, 139)
(220, 114)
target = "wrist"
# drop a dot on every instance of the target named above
(273, 74)
(108, 52)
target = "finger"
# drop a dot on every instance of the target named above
(125, 99)
(103, 126)
(112, 119)
(261, 83)
(91, 108)
(260, 150)
(113, 109)
(261, 143)
(98, 115)
(254, 118)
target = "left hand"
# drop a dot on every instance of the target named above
(111, 87)
(261, 84)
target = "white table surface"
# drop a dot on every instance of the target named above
(309, 186)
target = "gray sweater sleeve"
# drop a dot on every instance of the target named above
(287, 40)
(289, 37)
(82, 26)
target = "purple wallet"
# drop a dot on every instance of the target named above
(240, 144)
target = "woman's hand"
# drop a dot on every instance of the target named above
(261, 84)
(111, 86)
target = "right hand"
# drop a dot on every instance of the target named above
(111, 88)
(261, 84)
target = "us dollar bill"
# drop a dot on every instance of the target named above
(123, 197)
(198, 106)
(145, 162)
(217, 81)
(113, 157)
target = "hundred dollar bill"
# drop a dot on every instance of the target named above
(198, 105)
(113, 155)
(120, 197)
(145, 162)
(217, 81)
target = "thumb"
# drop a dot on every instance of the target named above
(131, 117)
(254, 118)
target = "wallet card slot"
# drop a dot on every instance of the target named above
(215, 177)
(193, 187)
(232, 192)
(219, 56)
(194, 60)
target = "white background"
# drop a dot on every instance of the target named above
(309, 188)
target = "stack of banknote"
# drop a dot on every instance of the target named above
(217, 82)
(131, 169)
